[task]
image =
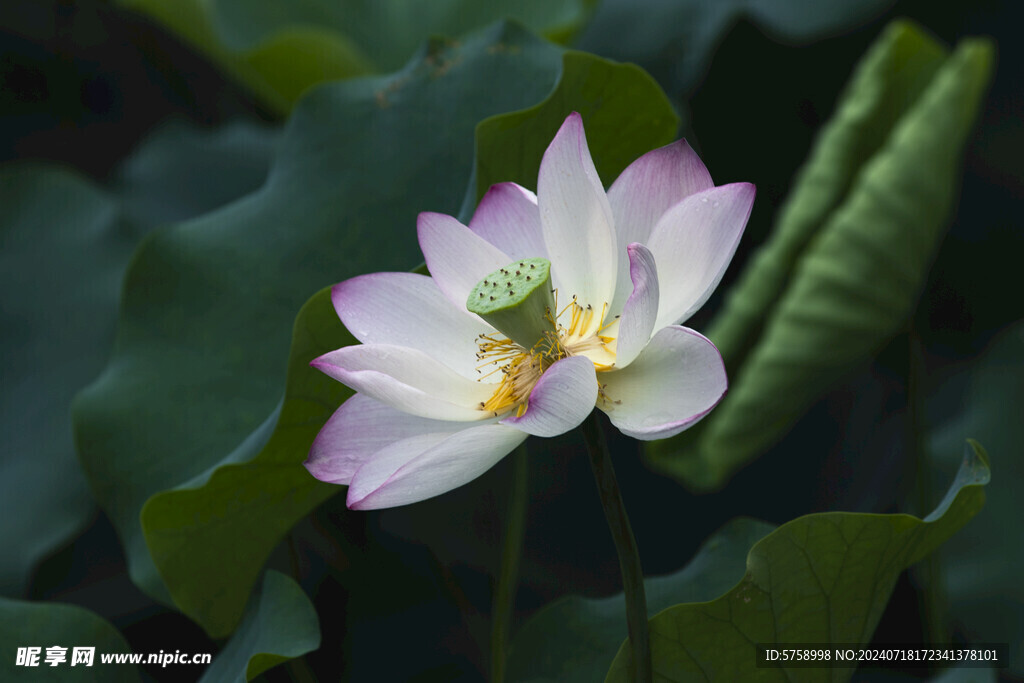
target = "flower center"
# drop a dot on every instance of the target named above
(519, 302)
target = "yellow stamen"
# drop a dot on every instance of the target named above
(521, 368)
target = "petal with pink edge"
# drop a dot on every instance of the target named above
(576, 219)
(406, 309)
(359, 428)
(641, 310)
(648, 188)
(693, 244)
(508, 218)
(562, 398)
(407, 380)
(456, 257)
(670, 386)
(427, 465)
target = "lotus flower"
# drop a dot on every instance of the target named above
(544, 307)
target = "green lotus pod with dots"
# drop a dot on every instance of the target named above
(517, 300)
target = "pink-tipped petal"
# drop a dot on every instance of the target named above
(407, 380)
(562, 398)
(641, 310)
(648, 188)
(456, 257)
(359, 428)
(405, 309)
(508, 218)
(693, 244)
(576, 219)
(670, 386)
(427, 465)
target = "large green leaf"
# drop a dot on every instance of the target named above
(187, 426)
(279, 624)
(66, 245)
(822, 578)
(64, 249)
(676, 39)
(858, 237)
(281, 49)
(574, 639)
(253, 497)
(980, 572)
(44, 625)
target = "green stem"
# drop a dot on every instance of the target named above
(508, 576)
(625, 544)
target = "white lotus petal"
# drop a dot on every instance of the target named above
(407, 380)
(576, 219)
(642, 193)
(457, 257)
(427, 465)
(693, 244)
(406, 309)
(641, 310)
(677, 379)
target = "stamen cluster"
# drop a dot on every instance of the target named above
(522, 368)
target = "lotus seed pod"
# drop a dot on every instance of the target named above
(517, 300)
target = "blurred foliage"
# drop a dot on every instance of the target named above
(63, 248)
(966, 674)
(280, 50)
(822, 578)
(43, 625)
(850, 254)
(181, 171)
(67, 242)
(676, 39)
(980, 571)
(280, 623)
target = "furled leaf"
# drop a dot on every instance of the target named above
(65, 245)
(281, 49)
(187, 424)
(887, 83)
(47, 624)
(980, 571)
(676, 39)
(279, 624)
(821, 578)
(855, 278)
(574, 639)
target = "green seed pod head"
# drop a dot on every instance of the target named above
(516, 300)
